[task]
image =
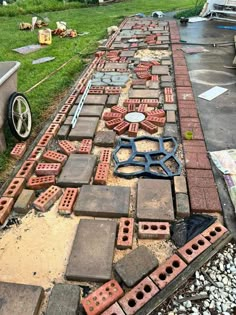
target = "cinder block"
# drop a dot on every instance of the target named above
(121, 128)
(85, 146)
(26, 169)
(182, 205)
(158, 121)
(214, 232)
(59, 119)
(110, 116)
(45, 140)
(18, 151)
(48, 169)
(54, 157)
(101, 175)
(136, 298)
(15, 188)
(67, 147)
(24, 201)
(36, 153)
(194, 248)
(148, 126)
(113, 123)
(125, 234)
(115, 309)
(156, 113)
(68, 200)
(105, 156)
(133, 130)
(119, 109)
(6, 205)
(112, 90)
(47, 198)
(180, 184)
(41, 182)
(154, 230)
(164, 274)
(98, 301)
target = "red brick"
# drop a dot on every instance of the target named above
(148, 126)
(41, 182)
(154, 230)
(185, 94)
(182, 70)
(68, 200)
(176, 47)
(136, 298)
(164, 274)
(131, 108)
(101, 175)
(135, 101)
(182, 82)
(18, 151)
(187, 104)
(158, 121)
(156, 113)
(169, 99)
(125, 234)
(196, 155)
(26, 169)
(150, 102)
(70, 100)
(168, 91)
(179, 61)
(6, 205)
(178, 54)
(214, 232)
(122, 127)
(112, 123)
(191, 124)
(105, 156)
(67, 147)
(154, 78)
(36, 153)
(112, 90)
(85, 146)
(15, 188)
(193, 248)
(59, 119)
(133, 130)
(65, 109)
(53, 129)
(142, 108)
(110, 116)
(188, 112)
(96, 90)
(119, 109)
(98, 301)
(115, 309)
(47, 198)
(45, 140)
(48, 169)
(55, 157)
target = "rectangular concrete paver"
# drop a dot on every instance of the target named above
(160, 70)
(154, 200)
(94, 100)
(91, 111)
(92, 251)
(24, 201)
(103, 201)
(84, 129)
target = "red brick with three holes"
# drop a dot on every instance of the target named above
(110, 116)
(168, 91)
(53, 129)
(119, 109)
(67, 147)
(142, 108)
(154, 78)
(47, 198)
(54, 157)
(169, 99)
(26, 169)
(18, 151)
(6, 205)
(131, 108)
(135, 101)
(158, 121)
(137, 297)
(165, 273)
(15, 188)
(98, 301)
(101, 175)
(115, 309)
(41, 182)
(48, 169)
(125, 233)
(105, 156)
(154, 230)
(65, 109)
(133, 130)
(112, 123)
(156, 113)
(214, 232)
(150, 102)
(122, 127)
(148, 126)
(70, 100)
(194, 248)
(85, 146)
(59, 119)
(36, 153)
(68, 200)
(112, 90)
(44, 141)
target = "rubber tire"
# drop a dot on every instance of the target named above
(9, 116)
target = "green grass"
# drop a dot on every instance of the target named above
(94, 20)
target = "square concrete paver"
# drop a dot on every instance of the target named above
(105, 138)
(154, 200)
(94, 100)
(77, 171)
(144, 93)
(17, 299)
(92, 251)
(160, 70)
(103, 201)
(91, 111)
(84, 129)
(113, 100)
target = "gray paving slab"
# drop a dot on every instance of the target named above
(105, 138)
(92, 251)
(85, 128)
(113, 65)
(64, 300)
(20, 299)
(96, 99)
(91, 111)
(159, 70)
(77, 171)
(136, 265)
(154, 200)
(103, 201)
(144, 93)
(112, 100)
(63, 132)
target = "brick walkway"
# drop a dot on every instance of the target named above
(140, 87)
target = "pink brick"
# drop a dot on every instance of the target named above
(65, 109)
(156, 113)
(41, 182)
(15, 188)
(154, 230)
(48, 169)
(214, 232)
(36, 153)
(168, 91)
(45, 140)
(142, 108)
(6, 205)
(98, 301)
(113, 123)
(105, 156)
(101, 175)
(131, 108)
(154, 78)
(125, 234)
(168, 271)
(59, 119)
(110, 116)
(67, 147)
(47, 198)
(18, 151)
(115, 309)
(135, 101)
(148, 126)
(133, 130)
(26, 169)
(150, 102)
(85, 146)
(53, 129)
(54, 157)
(119, 109)
(158, 121)
(68, 200)
(121, 128)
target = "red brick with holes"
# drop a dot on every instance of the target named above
(214, 232)
(45, 140)
(53, 129)
(154, 230)
(119, 109)
(67, 147)
(110, 116)
(142, 108)
(131, 108)
(48, 169)
(101, 175)
(6, 205)
(125, 233)
(122, 127)
(105, 156)
(169, 99)
(65, 109)
(85, 146)
(112, 90)
(47, 198)
(150, 102)
(156, 113)
(113, 123)
(36, 153)
(158, 121)
(14, 188)
(26, 169)
(133, 130)
(59, 119)
(196, 154)
(54, 157)
(67, 201)
(135, 101)
(41, 182)
(18, 151)
(148, 126)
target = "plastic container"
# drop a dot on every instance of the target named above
(45, 37)
(188, 135)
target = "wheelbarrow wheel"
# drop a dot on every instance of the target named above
(19, 116)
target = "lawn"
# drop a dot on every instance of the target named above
(94, 20)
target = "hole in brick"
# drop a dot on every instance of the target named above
(13, 187)
(88, 302)
(213, 233)
(124, 238)
(145, 227)
(112, 284)
(110, 293)
(15, 182)
(107, 289)
(114, 314)
(125, 230)
(127, 223)
(139, 295)
(163, 227)
(153, 227)
(131, 303)
(97, 303)
(1, 207)
(91, 308)
(189, 251)
(195, 247)
(10, 192)
(104, 299)
(162, 276)
(147, 288)
(175, 264)
(94, 298)
(201, 242)
(3, 202)
(169, 270)
(208, 238)
(218, 229)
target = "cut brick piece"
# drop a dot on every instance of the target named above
(67, 147)
(26, 169)
(85, 146)
(133, 130)
(52, 156)
(214, 232)
(41, 182)
(153, 192)
(180, 184)
(47, 198)
(6, 205)
(59, 119)
(142, 108)
(125, 234)
(113, 123)
(101, 175)
(102, 298)
(122, 127)
(119, 109)
(154, 230)
(156, 113)
(48, 169)
(148, 126)
(132, 272)
(196, 155)
(182, 205)
(131, 108)
(194, 248)
(18, 151)
(164, 274)
(68, 200)
(36, 154)
(115, 309)
(105, 156)
(15, 188)
(24, 201)
(158, 121)
(110, 115)
(94, 264)
(136, 298)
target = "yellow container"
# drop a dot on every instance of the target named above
(45, 37)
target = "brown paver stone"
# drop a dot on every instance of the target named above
(84, 129)
(94, 100)
(154, 200)
(136, 265)
(105, 138)
(24, 201)
(103, 201)
(161, 70)
(17, 299)
(63, 132)
(91, 111)
(77, 171)
(143, 93)
(92, 251)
